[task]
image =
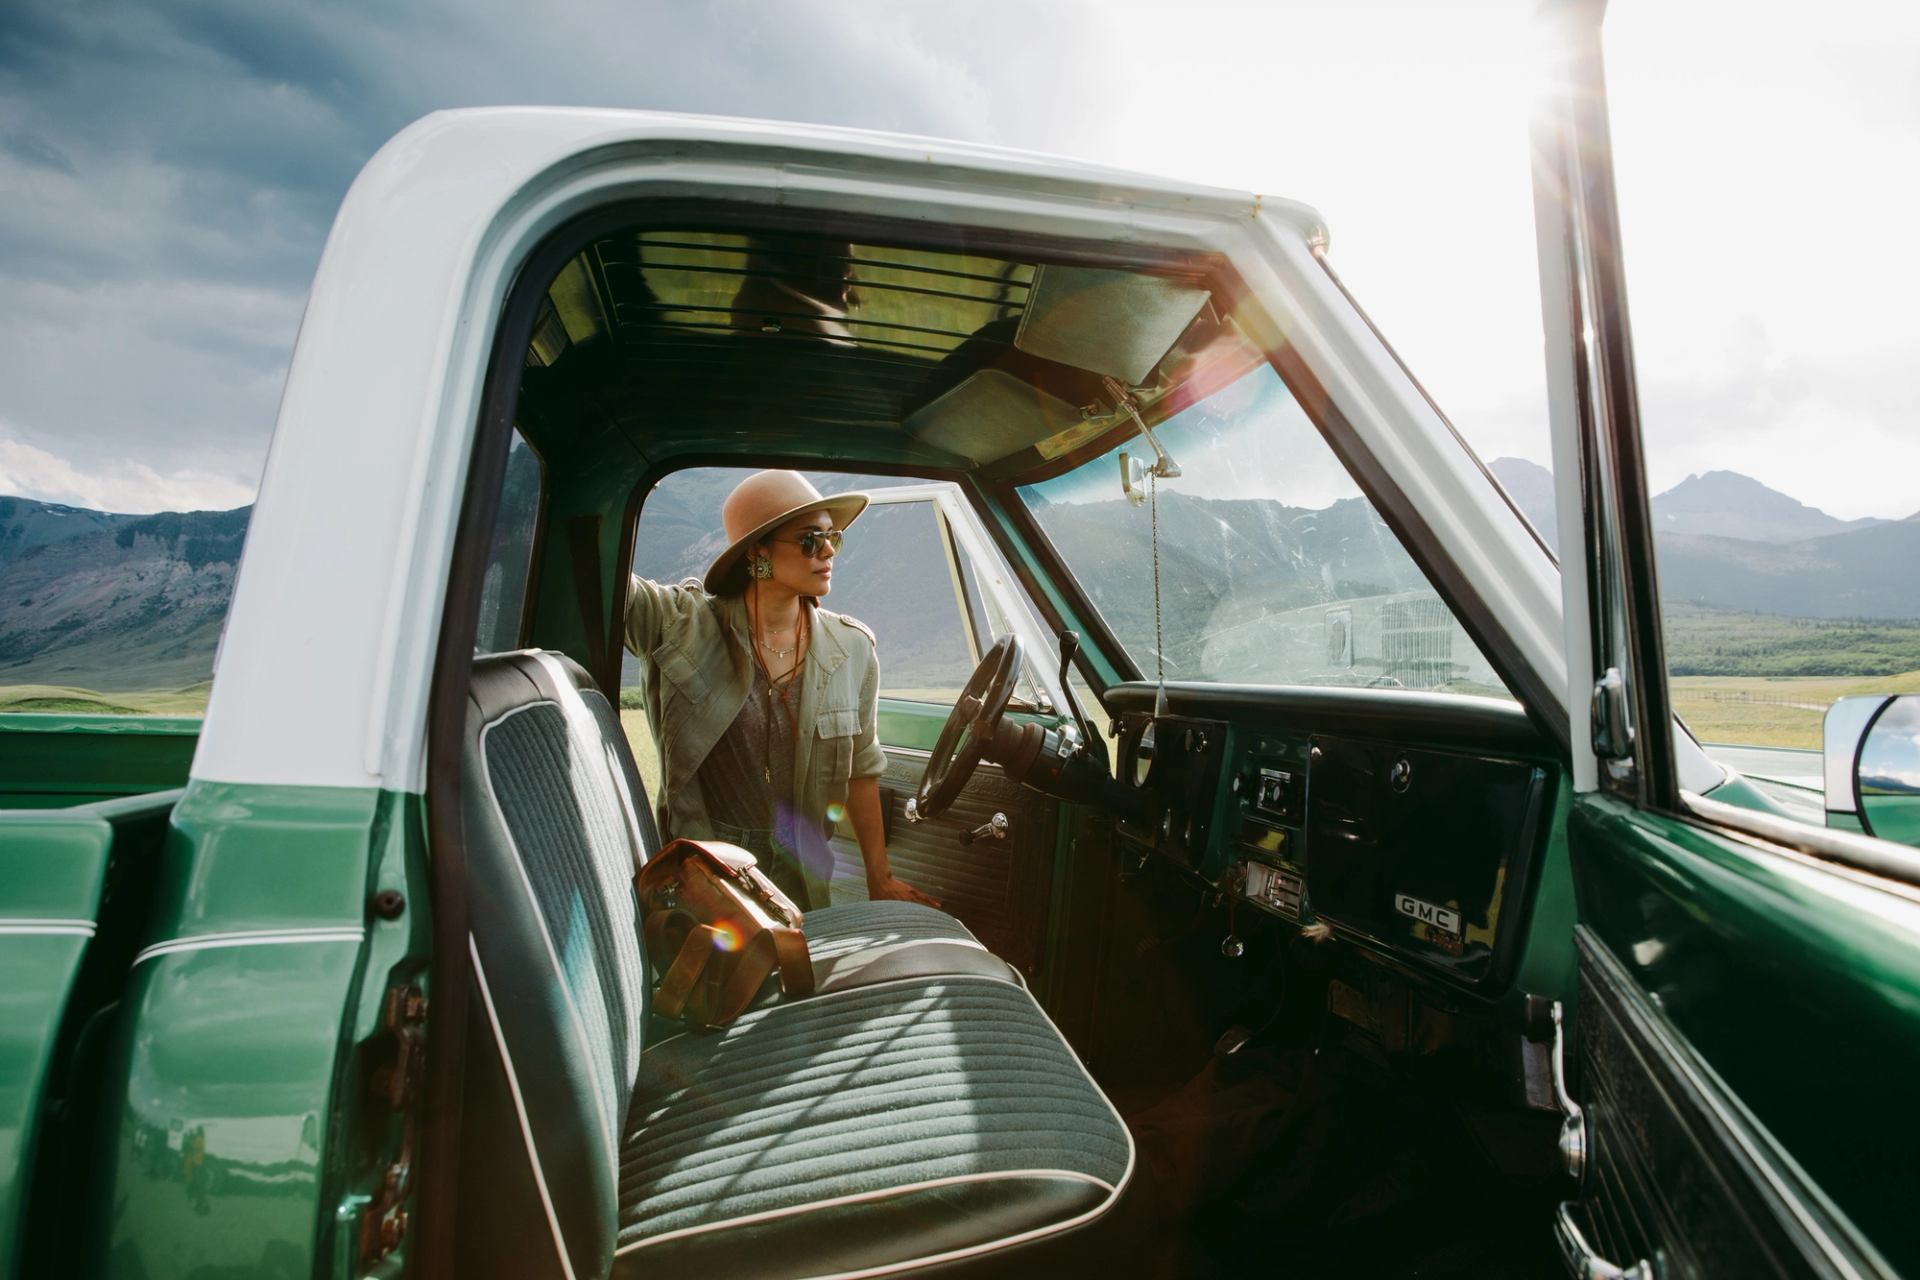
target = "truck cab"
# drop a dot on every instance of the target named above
(1363, 905)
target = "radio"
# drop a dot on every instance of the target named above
(1272, 784)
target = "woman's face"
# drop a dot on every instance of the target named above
(793, 568)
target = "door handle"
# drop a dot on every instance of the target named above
(1583, 1263)
(994, 828)
(1573, 1120)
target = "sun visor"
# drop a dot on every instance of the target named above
(1117, 323)
(990, 415)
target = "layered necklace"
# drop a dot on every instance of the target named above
(780, 690)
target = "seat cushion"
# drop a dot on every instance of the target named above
(835, 931)
(862, 943)
(880, 1126)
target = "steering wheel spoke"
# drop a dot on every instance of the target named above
(969, 731)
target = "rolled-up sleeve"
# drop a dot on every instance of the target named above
(652, 606)
(869, 760)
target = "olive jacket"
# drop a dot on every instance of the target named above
(696, 667)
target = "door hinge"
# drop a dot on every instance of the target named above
(396, 1083)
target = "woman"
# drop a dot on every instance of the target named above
(762, 703)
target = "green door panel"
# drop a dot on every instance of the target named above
(39, 970)
(1547, 964)
(254, 857)
(52, 867)
(74, 883)
(48, 761)
(1798, 985)
(52, 864)
(229, 1134)
(230, 1075)
(914, 725)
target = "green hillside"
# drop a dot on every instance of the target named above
(1706, 641)
(48, 698)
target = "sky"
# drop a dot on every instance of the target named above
(170, 173)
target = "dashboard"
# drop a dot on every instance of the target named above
(1414, 834)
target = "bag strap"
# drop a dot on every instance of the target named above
(683, 976)
(751, 968)
(796, 965)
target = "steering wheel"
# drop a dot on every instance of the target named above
(969, 729)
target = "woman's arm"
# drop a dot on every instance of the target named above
(863, 794)
(651, 605)
(863, 807)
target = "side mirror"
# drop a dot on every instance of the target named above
(1872, 765)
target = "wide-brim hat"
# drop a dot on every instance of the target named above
(762, 503)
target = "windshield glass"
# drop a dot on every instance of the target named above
(1273, 567)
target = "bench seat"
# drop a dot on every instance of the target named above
(894, 1124)
(918, 1113)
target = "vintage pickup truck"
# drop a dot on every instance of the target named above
(1328, 887)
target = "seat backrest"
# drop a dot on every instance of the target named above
(556, 821)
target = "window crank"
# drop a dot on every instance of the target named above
(994, 828)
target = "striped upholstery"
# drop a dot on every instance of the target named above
(920, 1108)
(579, 857)
(833, 932)
(866, 1091)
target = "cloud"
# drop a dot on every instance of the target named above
(172, 170)
(123, 485)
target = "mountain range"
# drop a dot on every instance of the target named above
(1726, 540)
(111, 601)
(114, 602)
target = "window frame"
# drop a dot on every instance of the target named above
(536, 546)
(1591, 377)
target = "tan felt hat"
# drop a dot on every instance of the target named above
(762, 503)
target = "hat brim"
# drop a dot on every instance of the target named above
(724, 573)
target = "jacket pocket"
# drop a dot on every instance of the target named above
(833, 753)
(680, 671)
(837, 724)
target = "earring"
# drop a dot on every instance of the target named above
(760, 566)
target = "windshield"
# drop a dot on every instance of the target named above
(1273, 567)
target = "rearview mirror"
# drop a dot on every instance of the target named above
(1133, 478)
(1872, 765)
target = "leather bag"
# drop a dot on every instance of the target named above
(716, 928)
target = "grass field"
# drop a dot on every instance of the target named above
(1763, 711)
(190, 701)
(640, 738)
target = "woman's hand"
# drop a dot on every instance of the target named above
(894, 889)
(863, 807)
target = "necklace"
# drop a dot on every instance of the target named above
(780, 690)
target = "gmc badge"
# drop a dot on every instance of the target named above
(1426, 913)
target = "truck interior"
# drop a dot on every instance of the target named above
(1260, 968)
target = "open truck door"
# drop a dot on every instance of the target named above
(1744, 1030)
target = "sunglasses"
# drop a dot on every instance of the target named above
(813, 541)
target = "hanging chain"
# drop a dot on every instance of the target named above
(1159, 644)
